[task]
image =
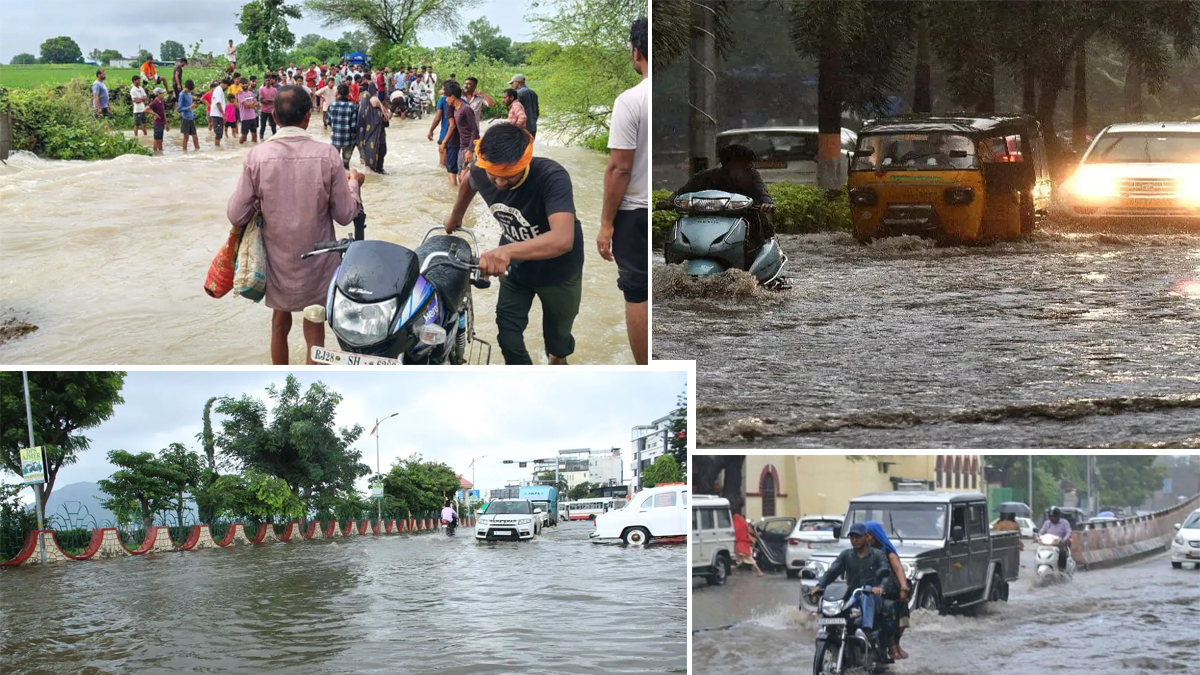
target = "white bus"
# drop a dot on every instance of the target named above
(584, 509)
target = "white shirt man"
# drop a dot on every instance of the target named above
(137, 92)
(628, 131)
(231, 53)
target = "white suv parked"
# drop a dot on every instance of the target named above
(508, 519)
(1185, 547)
(713, 543)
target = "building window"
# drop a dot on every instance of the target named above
(766, 487)
(937, 467)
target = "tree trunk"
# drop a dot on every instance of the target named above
(708, 468)
(922, 96)
(145, 517)
(829, 119)
(179, 523)
(1133, 93)
(1028, 89)
(1079, 111)
(702, 87)
(986, 103)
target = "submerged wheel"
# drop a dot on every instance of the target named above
(997, 593)
(637, 536)
(720, 572)
(930, 597)
(1179, 565)
(824, 660)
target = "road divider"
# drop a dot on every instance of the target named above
(1099, 545)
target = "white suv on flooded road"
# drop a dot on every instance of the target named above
(1140, 170)
(512, 519)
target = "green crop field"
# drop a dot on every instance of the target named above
(24, 77)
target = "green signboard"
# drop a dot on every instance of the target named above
(376, 490)
(33, 465)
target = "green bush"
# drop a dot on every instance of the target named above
(799, 209)
(58, 122)
(599, 142)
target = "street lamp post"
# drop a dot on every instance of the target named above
(378, 470)
(38, 487)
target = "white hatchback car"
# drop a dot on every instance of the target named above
(512, 519)
(811, 533)
(1185, 547)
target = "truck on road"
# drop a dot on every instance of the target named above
(948, 552)
(545, 501)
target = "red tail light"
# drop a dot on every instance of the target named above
(793, 542)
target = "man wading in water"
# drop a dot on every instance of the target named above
(532, 200)
(296, 182)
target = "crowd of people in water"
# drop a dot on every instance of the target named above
(295, 188)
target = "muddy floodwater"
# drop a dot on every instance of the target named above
(1135, 620)
(390, 604)
(1060, 340)
(108, 258)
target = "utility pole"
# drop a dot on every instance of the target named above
(702, 87)
(1030, 495)
(378, 470)
(37, 488)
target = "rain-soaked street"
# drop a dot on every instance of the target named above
(1059, 340)
(1135, 619)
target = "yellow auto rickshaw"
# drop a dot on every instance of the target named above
(953, 178)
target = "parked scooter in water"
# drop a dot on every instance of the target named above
(710, 237)
(388, 305)
(1047, 553)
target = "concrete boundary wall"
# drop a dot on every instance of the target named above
(1099, 545)
(106, 542)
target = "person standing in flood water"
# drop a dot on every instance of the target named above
(187, 116)
(625, 219)
(294, 180)
(532, 200)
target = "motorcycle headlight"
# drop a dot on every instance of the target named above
(709, 204)
(831, 607)
(1179, 540)
(681, 203)
(362, 324)
(736, 204)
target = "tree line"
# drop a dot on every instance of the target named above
(288, 461)
(867, 50)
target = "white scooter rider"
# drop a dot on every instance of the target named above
(1059, 527)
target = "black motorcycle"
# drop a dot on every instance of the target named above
(451, 527)
(388, 305)
(843, 642)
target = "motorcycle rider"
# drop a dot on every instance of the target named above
(1059, 527)
(862, 565)
(449, 515)
(737, 174)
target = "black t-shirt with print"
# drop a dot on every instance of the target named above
(523, 214)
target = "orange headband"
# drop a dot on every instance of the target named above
(505, 170)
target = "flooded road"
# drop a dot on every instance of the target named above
(389, 604)
(1137, 619)
(1061, 340)
(108, 258)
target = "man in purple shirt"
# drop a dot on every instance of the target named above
(1059, 527)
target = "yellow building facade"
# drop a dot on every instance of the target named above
(802, 485)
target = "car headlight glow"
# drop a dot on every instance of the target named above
(1189, 188)
(526, 521)
(362, 324)
(1089, 183)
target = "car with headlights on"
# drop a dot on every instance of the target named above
(1185, 547)
(812, 533)
(513, 519)
(1144, 171)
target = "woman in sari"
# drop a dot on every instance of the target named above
(372, 140)
(879, 540)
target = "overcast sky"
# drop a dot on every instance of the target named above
(447, 416)
(132, 24)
